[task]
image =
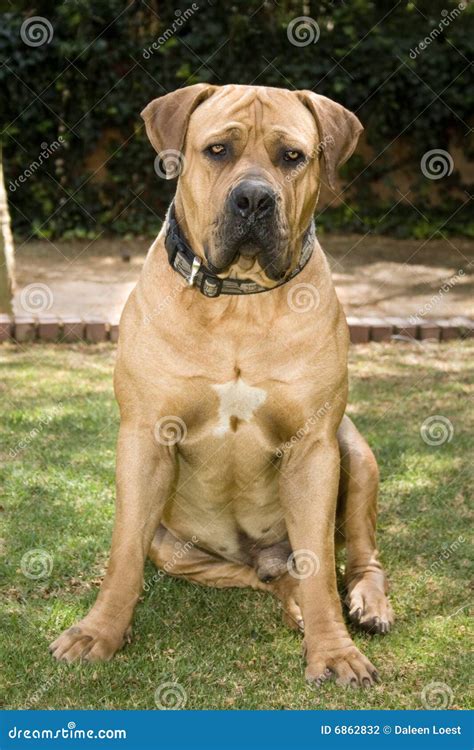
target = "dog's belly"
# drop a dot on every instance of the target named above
(227, 495)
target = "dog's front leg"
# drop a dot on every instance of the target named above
(309, 486)
(145, 474)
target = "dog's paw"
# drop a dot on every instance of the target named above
(348, 668)
(369, 608)
(88, 642)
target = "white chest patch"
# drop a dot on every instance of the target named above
(237, 399)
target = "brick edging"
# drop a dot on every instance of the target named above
(23, 328)
(362, 330)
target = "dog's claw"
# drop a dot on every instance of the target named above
(369, 608)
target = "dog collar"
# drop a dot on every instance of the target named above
(182, 259)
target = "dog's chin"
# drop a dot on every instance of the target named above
(248, 269)
(249, 250)
(254, 258)
(248, 265)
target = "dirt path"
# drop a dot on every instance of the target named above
(373, 275)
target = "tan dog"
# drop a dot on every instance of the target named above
(233, 448)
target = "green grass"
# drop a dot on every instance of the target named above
(227, 649)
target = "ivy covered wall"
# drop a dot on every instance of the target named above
(77, 160)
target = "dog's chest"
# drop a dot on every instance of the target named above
(238, 402)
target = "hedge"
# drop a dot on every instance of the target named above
(73, 103)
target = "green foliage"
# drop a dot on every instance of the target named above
(89, 84)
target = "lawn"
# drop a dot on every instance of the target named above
(227, 649)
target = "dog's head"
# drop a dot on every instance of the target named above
(249, 170)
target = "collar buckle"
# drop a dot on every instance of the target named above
(196, 265)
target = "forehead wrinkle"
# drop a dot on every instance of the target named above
(289, 135)
(226, 128)
(234, 106)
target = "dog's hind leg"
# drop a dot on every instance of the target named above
(184, 560)
(356, 521)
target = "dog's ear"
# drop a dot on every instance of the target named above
(339, 130)
(166, 118)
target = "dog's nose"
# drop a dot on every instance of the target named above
(251, 198)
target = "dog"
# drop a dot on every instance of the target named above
(236, 463)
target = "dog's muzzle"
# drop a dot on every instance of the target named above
(250, 227)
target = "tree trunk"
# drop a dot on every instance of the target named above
(7, 250)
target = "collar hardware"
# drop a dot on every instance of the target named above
(196, 265)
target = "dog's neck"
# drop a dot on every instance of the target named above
(188, 264)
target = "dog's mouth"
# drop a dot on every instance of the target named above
(249, 246)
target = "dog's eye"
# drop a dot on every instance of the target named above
(217, 149)
(292, 155)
